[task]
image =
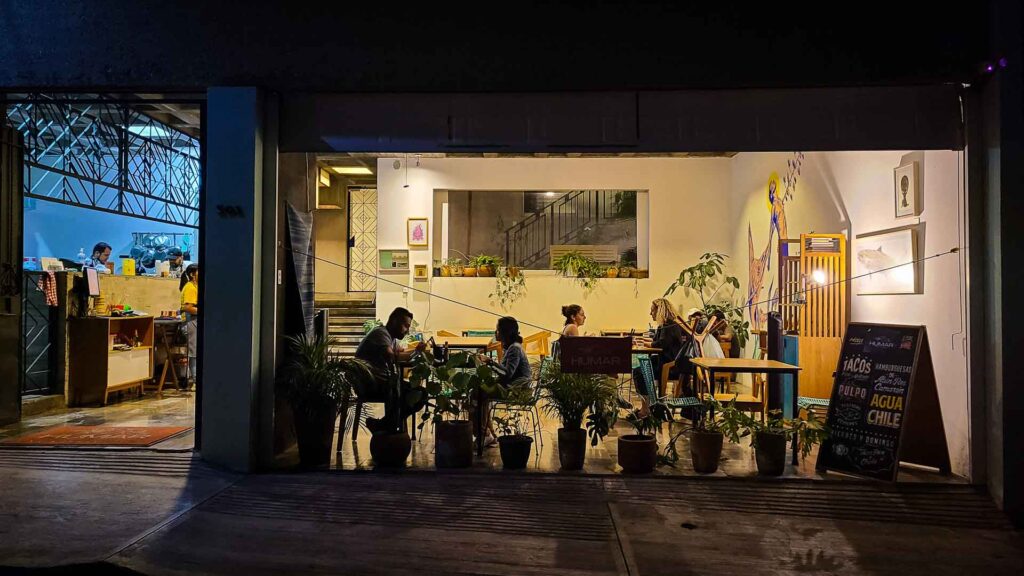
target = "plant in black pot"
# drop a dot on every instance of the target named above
(577, 399)
(712, 424)
(638, 453)
(450, 387)
(314, 381)
(514, 444)
(390, 444)
(769, 439)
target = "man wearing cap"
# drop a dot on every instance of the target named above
(177, 261)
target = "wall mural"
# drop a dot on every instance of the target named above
(779, 191)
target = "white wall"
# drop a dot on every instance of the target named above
(852, 193)
(330, 231)
(686, 197)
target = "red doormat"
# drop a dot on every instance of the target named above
(98, 436)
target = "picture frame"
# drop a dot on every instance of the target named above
(417, 231)
(886, 262)
(419, 272)
(906, 191)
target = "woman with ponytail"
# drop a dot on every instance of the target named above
(575, 317)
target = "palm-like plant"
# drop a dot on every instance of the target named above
(315, 379)
(575, 398)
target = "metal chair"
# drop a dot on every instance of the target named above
(529, 407)
(647, 386)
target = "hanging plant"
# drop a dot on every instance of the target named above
(510, 285)
(586, 271)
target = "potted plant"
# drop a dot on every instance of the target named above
(713, 423)
(585, 270)
(450, 387)
(314, 383)
(451, 267)
(390, 445)
(577, 399)
(638, 453)
(513, 443)
(612, 271)
(485, 265)
(769, 439)
(509, 287)
(707, 279)
(626, 268)
(437, 268)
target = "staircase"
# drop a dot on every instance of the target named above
(345, 318)
(560, 222)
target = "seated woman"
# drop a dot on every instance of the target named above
(514, 367)
(669, 336)
(575, 318)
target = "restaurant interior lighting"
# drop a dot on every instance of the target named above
(352, 170)
(818, 276)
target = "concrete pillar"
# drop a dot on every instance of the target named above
(230, 277)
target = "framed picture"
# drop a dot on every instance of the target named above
(907, 195)
(419, 272)
(885, 262)
(416, 231)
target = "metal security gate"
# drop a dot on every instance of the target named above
(39, 326)
(362, 242)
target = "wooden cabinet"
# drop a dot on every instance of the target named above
(95, 369)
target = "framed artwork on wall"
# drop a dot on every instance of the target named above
(416, 231)
(885, 262)
(907, 194)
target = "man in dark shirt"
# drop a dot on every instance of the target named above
(381, 349)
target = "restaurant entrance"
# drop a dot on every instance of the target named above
(107, 189)
(807, 241)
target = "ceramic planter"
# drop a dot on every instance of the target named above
(638, 454)
(515, 451)
(485, 271)
(770, 453)
(390, 449)
(705, 451)
(446, 271)
(469, 270)
(453, 444)
(572, 448)
(613, 272)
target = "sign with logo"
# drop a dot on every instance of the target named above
(596, 355)
(884, 407)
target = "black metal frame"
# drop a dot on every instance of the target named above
(92, 152)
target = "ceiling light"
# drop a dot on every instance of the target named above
(352, 170)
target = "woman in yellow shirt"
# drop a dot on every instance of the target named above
(190, 307)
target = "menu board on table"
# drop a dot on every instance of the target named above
(884, 407)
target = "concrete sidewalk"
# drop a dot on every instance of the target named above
(467, 523)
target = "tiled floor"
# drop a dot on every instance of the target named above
(737, 459)
(172, 408)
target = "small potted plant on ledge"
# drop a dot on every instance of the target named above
(769, 439)
(509, 287)
(513, 443)
(314, 382)
(575, 399)
(485, 265)
(612, 271)
(584, 269)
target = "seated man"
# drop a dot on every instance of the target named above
(382, 351)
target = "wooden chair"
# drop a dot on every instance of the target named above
(496, 348)
(536, 344)
(753, 403)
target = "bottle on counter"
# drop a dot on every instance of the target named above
(81, 257)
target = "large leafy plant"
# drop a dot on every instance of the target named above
(315, 379)
(578, 399)
(808, 432)
(450, 385)
(706, 279)
(712, 417)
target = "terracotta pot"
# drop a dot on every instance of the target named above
(638, 454)
(572, 448)
(706, 451)
(453, 446)
(469, 270)
(446, 271)
(314, 432)
(613, 272)
(625, 272)
(770, 453)
(640, 274)
(485, 271)
(515, 451)
(457, 271)
(390, 449)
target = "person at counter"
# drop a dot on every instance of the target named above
(100, 256)
(177, 261)
(189, 286)
(381, 349)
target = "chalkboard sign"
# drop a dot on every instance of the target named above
(884, 408)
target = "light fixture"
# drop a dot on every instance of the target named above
(818, 276)
(324, 178)
(352, 170)
(549, 194)
(406, 171)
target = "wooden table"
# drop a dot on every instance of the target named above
(464, 342)
(751, 366)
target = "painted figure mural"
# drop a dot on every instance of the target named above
(779, 191)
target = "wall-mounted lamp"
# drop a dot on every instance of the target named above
(818, 276)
